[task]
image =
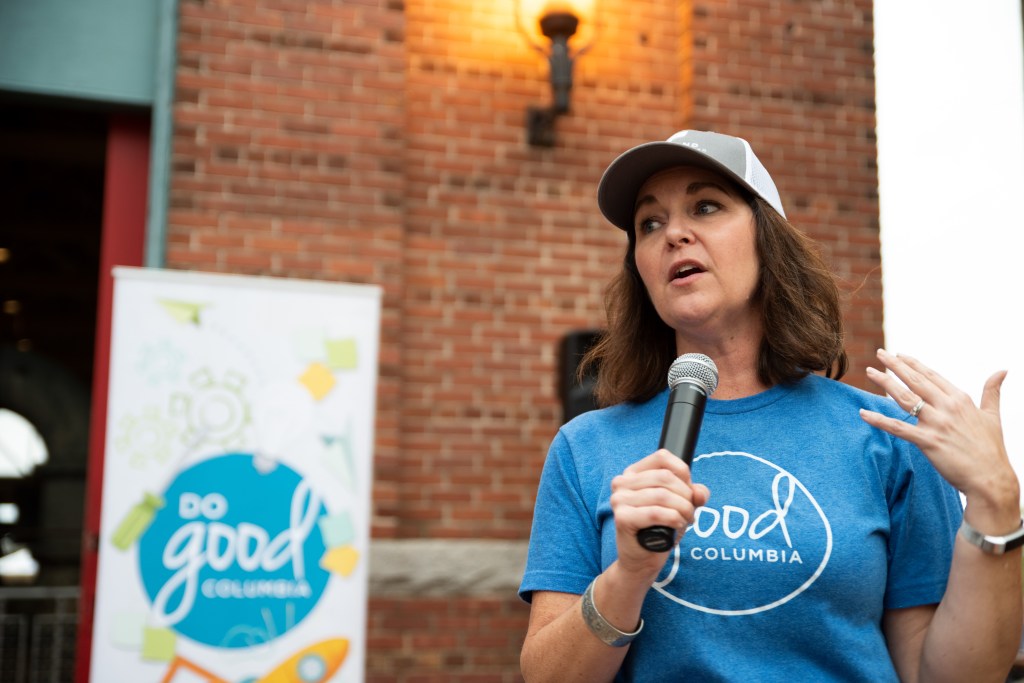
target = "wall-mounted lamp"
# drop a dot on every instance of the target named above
(558, 22)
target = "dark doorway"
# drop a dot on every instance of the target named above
(52, 159)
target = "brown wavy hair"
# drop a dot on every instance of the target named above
(800, 307)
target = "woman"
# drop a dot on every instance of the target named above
(817, 530)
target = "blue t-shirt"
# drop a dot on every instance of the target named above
(816, 524)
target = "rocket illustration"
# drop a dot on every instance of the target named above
(314, 664)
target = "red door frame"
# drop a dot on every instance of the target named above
(122, 244)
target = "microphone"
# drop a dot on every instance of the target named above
(692, 378)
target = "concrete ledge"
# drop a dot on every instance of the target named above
(434, 567)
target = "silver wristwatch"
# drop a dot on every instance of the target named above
(993, 545)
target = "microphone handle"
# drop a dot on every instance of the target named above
(683, 416)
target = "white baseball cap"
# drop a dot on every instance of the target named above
(725, 154)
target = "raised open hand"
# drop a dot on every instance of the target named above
(963, 441)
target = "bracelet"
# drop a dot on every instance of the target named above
(993, 545)
(600, 627)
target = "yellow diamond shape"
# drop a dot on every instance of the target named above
(318, 380)
(341, 560)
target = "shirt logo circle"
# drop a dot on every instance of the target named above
(761, 541)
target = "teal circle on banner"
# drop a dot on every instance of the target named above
(232, 559)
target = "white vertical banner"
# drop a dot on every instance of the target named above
(235, 517)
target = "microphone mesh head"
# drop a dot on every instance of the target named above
(696, 368)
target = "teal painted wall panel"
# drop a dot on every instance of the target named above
(87, 49)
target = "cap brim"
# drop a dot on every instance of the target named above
(622, 180)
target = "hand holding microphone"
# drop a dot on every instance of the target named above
(692, 378)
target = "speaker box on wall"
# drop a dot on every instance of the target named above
(577, 396)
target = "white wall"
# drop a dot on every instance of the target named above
(951, 169)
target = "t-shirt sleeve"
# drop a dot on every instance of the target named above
(925, 511)
(564, 552)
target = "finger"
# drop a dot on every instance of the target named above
(992, 392)
(701, 495)
(914, 374)
(656, 478)
(654, 460)
(898, 428)
(636, 517)
(661, 459)
(904, 397)
(658, 488)
(680, 509)
(910, 378)
(632, 519)
(943, 384)
(894, 388)
(684, 504)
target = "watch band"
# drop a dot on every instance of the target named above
(600, 627)
(993, 545)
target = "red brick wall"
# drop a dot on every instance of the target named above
(437, 640)
(797, 78)
(380, 141)
(288, 159)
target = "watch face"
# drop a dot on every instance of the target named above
(1015, 540)
(996, 545)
